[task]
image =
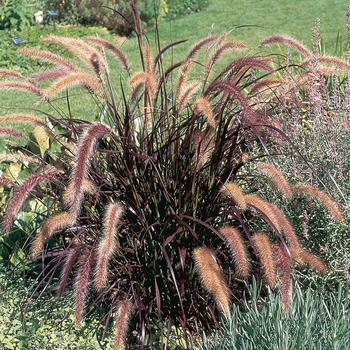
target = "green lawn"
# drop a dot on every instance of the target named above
(248, 20)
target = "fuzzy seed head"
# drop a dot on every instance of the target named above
(234, 192)
(212, 278)
(240, 256)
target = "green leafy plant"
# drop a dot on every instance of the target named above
(153, 207)
(16, 14)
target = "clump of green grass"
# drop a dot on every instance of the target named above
(317, 321)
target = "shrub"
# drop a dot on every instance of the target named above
(112, 14)
(160, 190)
(16, 14)
(318, 319)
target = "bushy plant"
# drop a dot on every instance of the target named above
(318, 319)
(162, 185)
(16, 14)
(114, 15)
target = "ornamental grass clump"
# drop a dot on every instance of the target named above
(149, 216)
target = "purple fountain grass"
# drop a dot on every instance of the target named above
(108, 245)
(21, 118)
(79, 48)
(264, 208)
(75, 79)
(81, 284)
(7, 73)
(264, 251)
(285, 40)
(50, 57)
(125, 308)
(50, 74)
(288, 231)
(202, 106)
(70, 260)
(313, 261)
(84, 152)
(277, 178)
(315, 193)
(240, 256)
(5, 182)
(186, 94)
(114, 49)
(22, 86)
(53, 224)
(87, 187)
(234, 192)
(285, 270)
(212, 277)
(22, 192)
(9, 132)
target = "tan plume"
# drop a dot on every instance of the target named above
(75, 79)
(125, 308)
(212, 277)
(108, 245)
(264, 252)
(202, 106)
(236, 244)
(233, 191)
(315, 193)
(277, 178)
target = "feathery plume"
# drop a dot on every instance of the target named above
(288, 231)
(48, 229)
(233, 91)
(264, 208)
(137, 79)
(75, 79)
(313, 261)
(204, 148)
(188, 92)
(277, 178)
(7, 73)
(108, 245)
(81, 284)
(4, 182)
(21, 118)
(79, 48)
(18, 157)
(246, 61)
(121, 324)
(143, 78)
(50, 74)
(197, 46)
(22, 86)
(227, 46)
(9, 132)
(212, 277)
(339, 63)
(232, 190)
(87, 187)
(285, 40)
(267, 84)
(50, 57)
(315, 193)
(149, 67)
(69, 262)
(114, 49)
(85, 148)
(264, 252)
(235, 242)
(182, 78)
(22, 192)
(285, 268)
(202, 106)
